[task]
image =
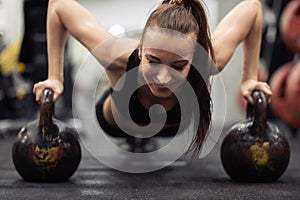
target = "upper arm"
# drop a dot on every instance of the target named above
(79, 22)
(225, 41)
(233, 29)
(110, 51)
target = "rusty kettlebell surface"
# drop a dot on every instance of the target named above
(255, 150)
(46, 150)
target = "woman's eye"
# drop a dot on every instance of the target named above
(152, 62)
(179, 68)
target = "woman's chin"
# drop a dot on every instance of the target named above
(160, 91)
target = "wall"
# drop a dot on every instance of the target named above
(11, 13)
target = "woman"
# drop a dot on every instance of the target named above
(243, 24)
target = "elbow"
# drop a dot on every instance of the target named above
(220, 62)
(254, 4)
(257, 3)
(219, 66)
(55, 1)
(55, 4)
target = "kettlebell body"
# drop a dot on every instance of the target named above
(46, 150)
(255, 150)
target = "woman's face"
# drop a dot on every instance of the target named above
(165, 62)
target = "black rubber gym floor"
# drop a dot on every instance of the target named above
(199, 179)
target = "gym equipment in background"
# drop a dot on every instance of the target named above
(285, 82)
(290, 26)
(285, 86)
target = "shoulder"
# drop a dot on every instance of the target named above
(119, 66)
(115, 53)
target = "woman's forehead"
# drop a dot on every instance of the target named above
(171, 41)
(159, 53)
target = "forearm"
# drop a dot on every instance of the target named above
(67, 16)
(56, 40)
(251, 46)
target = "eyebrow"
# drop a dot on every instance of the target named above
(156, 58)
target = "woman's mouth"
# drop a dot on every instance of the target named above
(160, 86)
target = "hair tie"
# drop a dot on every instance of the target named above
(178, 2)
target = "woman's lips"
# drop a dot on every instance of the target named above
(160, 86)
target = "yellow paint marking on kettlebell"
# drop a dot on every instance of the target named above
(46, 158)
(260, 155)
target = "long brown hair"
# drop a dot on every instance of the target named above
(189, 17)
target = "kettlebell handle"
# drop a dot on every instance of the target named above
(259, 112)
(46, 107)
(47, 96)
(260, 103)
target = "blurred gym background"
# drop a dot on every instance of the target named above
(23, 57)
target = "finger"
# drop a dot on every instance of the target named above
(35, 88)
(55, 97)
(268, 93)
(267, 90)
(248, 97)
(37, 95)
(246, 94)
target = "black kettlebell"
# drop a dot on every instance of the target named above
(46, 150)
(255, 150)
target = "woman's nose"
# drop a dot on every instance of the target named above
(163, 76)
